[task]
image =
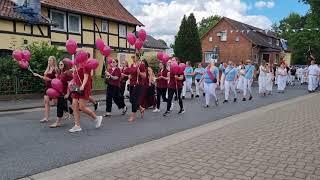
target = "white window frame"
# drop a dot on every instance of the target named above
(224, 36)
(64, 18)
(210, 39)
(125, 33)
(210, 54)
(74, 15)
(237, 38)
(278, 42)
(104, 30)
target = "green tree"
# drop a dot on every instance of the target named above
(179, 43)
(207, 23)
(187, 46)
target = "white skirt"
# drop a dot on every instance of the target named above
(262, 84)
(269, 82)
(240, 83)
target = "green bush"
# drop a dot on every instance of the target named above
(22, 81)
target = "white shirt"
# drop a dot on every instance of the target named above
(261, 71)
(313, 70)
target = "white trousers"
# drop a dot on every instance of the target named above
(262, 84)
(312, 83)
(240, 83)
(282, 82)
(269, 82)
(199, 86)
(187, 85)
(210, 90)
(247, 87)
(229, 85)
(222, 81)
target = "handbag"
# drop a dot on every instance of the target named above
(214, 80)
(75, 88)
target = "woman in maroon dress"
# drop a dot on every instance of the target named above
(81, 79)
(113, 76)
(162, 85)
(137, 73)
(49, 74)
(65, 76)
(148, 98)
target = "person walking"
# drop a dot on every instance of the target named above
(188, 73)
(231, 73)
(211, 82)
(282, 78)
(262, 79)
(65, 76)
(199, 72)
(248, 79)
(161, 85)
(113, 80)
(313, 74)
(49, 74)
(269, 79)
(81, 75)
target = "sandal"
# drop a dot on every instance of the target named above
(44, 120)
(142, 110)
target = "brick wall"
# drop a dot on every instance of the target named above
(230, 49)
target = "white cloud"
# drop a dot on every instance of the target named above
(264, 4)
(162, 18)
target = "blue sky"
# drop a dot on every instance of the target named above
(162, 17)
(281, 9)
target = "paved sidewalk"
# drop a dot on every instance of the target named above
(15, 105)
(278, 141)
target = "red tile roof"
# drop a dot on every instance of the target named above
(109, 9)
(8, 11)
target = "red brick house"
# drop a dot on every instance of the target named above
(236, 41)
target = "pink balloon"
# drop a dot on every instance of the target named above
(23, 64)
(106, 51)
(131, 39)
(92, 64)
(71, 46)
(100, 44)
(160, 56)
(182, 66)
(26, 55)
(17, 55)
(142, 34)
(165, 58)
(52, 93)
(174, 68)
(57, 85)
(81, 57)
(139, 44)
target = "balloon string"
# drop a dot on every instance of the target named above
(29, 68)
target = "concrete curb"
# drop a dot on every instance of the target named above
(76, 170)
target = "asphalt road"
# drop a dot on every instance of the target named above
(28, 147)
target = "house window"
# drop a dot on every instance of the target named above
(5, 53)
(270, 40)
(210, 39)
(104, 26)
(223, 36)
(277, 43)
(237, 39)
(59, 19)
(74, 23)
(278, 58)
(122, 31)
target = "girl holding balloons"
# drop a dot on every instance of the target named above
(49, 74)
(64, 75)
(162, 85)
(176, 79)
(137, 73)
(81, 91)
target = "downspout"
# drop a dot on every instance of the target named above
(252, 51)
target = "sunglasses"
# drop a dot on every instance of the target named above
(61, 64)
(114, 62)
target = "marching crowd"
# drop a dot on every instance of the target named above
(147, 89)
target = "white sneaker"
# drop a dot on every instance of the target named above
(98, 121)
(75, 129)
(156, 110)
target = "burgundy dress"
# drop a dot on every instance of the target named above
(78, 77)
(51, 76)
(148, 98)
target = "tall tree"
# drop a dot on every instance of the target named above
(187, 46)
(194, 51)
(207, 23)
(179, 43)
